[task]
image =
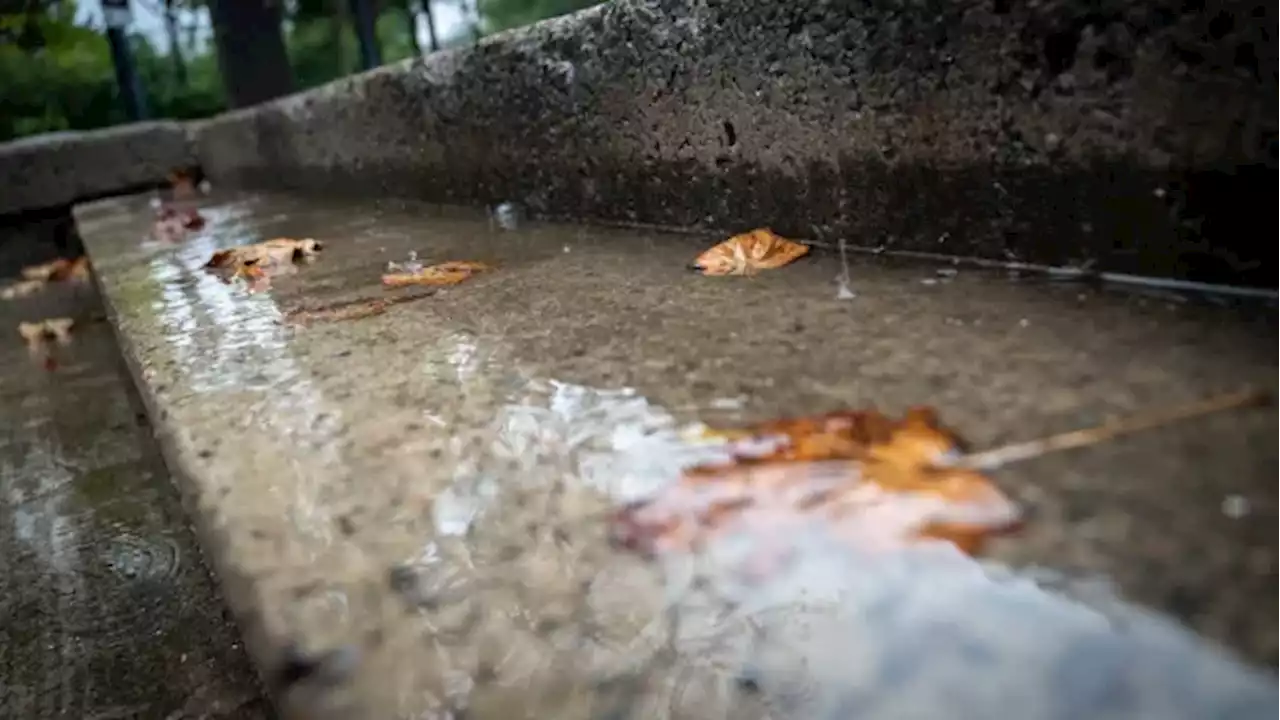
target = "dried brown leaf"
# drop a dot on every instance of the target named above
(259, 261)
(58, 270)
(182, 183)
(35, 333)
(75, 270)
(43, 271)
(871, 480)
(749, 253)
(868, 480)
(21, 289)
(447, 273)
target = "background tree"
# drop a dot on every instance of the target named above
(251, 53)
(56, 72)
(498, 15)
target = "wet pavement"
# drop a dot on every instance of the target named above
(408, 508)
(106, 608)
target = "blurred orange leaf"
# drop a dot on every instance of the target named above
(182, 183)
(868, 479)
(21, 289)
(273, 253)
(76, 270)
(865, 479)
(58, 270)
(172, 225)
(447, 273)
(749, 253)
(35, 333)
(43, 271)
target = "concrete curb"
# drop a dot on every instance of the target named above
(58, 169)
(1138, 138)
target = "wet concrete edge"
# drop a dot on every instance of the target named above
(1135, 137)
(235, 589)
(54, 170)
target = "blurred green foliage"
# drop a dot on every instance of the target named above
(56, 71)
(498, 15)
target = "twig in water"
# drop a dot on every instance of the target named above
(1014, 452)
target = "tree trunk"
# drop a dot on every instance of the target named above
(411, 17)
(175, 48)
(337, 22)
(251, 54)
(431, 25)
(363, 20)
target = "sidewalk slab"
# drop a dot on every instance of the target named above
(406, 509)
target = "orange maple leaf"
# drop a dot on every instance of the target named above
(58, 270)
(182, 183)
(268, 253)
(870, 480)
(447, 273)
(749, 253)
(35, 333)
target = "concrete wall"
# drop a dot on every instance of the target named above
(1139, 135)
(55, 170)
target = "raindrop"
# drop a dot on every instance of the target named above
(843, 290)
(508, 215)
(409, 266)
(1235, 506)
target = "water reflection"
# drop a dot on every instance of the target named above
(849, 635)
(227, 340)
(33, 489)
(614, 441)
(917, 633)
(837, 633)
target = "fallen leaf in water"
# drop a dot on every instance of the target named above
(35, 333)
(258, 262)
(871, 506)
(182, 183)
(191, 219)
(915, 441)
(409, 266)
(58, 270)
(448, 273)
(44, 271)
(21, 289)
(868, 479)
(749, 253)
(75, 270)
(862, 478)
(173, 224)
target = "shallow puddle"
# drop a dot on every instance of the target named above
(106, 609)
(425, 490)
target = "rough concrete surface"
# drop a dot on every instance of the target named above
(57, 169)
(408, 509)
(106, 608)
(1139, 136)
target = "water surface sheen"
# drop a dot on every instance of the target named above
(415, 500)
(106, 609)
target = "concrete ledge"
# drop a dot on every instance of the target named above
(407, 509)
(1139, 137)
(58, 169)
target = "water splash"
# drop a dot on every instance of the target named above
(843, 289)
